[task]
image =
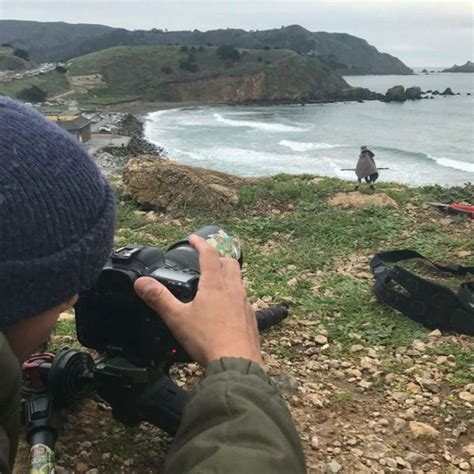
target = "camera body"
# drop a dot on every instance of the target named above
(112, 319)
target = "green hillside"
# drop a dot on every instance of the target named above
(54, 83)
(55, 41)
(174, 73)
(10, 62)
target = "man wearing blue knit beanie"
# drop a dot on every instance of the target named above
(57, 217)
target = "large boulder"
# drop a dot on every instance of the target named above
(413, 93)
(395, 94)
(160, 184)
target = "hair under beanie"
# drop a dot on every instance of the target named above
(57, 214)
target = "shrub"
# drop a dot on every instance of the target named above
(189, 66)
(184, 49)
(32, 94)
(21, 53)
(260, 59)
(266, 48)
(193, 49)
(267, 62)
(228, 52)
(166, 70)
(61, 69)
(201, 49)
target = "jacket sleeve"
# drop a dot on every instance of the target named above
(236, 422)
(10, 387)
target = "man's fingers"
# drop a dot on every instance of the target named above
(209, 262)
(231, 270)
(157, 297)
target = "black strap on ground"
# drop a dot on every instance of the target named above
(429, 303)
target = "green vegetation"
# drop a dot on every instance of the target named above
(12, 59)
(155, 73)
(32, 94)
(53, 83)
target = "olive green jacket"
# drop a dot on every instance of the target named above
(10, 386)
(236, 423)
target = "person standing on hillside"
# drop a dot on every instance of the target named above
(366, 168)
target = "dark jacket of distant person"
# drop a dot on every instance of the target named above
(366, 163)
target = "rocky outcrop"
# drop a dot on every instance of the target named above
(447, 91)
(395, 94)
(162, 185)
(413, 93)
(468, 67)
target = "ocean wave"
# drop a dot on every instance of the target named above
(268, 127)
(304, 146)
(456, 164)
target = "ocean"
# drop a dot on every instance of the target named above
(421, 142)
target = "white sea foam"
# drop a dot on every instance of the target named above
(268, 127)
(304, 146)
(456, 164)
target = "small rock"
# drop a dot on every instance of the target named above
(398, 425)
(423, 430)
(287, 383)
(415, 458)
(469, 449)
(418, 345)
(315, 442)
(106, 456)
(357, 348)
(467, 396)
(333, 467)
(435, 333)
(82, 467)
(292, 283)
(413, 387)
(465, 466)
(320, 339)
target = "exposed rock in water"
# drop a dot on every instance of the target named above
(447, 91)
(413, 93)
(395, 94)
(159, 184)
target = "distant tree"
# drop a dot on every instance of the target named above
(184, 49)
(191, 57)
(244, 53)
(260, 59)
(228, 52)
(266, 48)
(188, 66)
(209, 44)
(21, 53)
(7, 45)
(61, 69)
(267, 62)
(32, 94)
(193, 49)
(166, 70)
(201, 49)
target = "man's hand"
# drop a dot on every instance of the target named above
(219, 322)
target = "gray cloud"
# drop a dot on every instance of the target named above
(419, 33)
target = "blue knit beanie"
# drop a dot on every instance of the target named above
(57, 215)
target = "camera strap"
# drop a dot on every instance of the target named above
(430, 304)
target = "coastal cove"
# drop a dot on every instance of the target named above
(422, 142)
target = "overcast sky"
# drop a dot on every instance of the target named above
(426, 33)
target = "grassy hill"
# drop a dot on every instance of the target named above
(174, 74)
(343, 52)
(10, 62)
(350, 368)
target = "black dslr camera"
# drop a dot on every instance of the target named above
(135, 348)
(112, 319)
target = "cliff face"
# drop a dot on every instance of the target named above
(156, 73)
(293, 80)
